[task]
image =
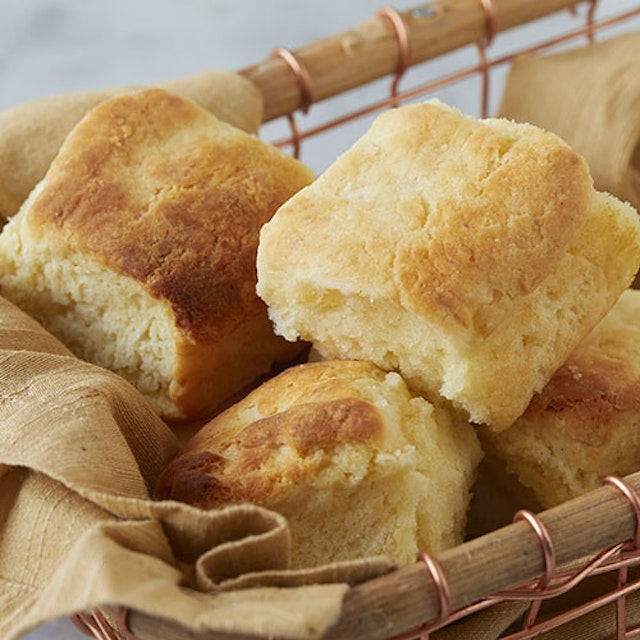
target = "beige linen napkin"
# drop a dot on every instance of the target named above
(31, 133)
(590, 96)
(79, 448)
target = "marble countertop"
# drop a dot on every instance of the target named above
(57, 46)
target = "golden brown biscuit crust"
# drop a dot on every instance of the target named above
(131, 188)
(504, 224)
(305, 410)
(599, 382)
(585, 395)
(240, 472)
(584, 424)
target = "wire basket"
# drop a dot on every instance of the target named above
(537, 559)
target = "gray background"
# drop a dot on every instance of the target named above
(56, 46)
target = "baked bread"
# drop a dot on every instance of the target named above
(470, 255)
(585, 423)
(357, 464)
(138, 249)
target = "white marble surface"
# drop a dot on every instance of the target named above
(54, 46)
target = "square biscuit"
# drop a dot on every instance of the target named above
(469, 255)
(585, 424)
(138, 247)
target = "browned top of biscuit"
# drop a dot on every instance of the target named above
(451, 214)
(157, 188)
(599, 382)
(510, 201)
(274, 438)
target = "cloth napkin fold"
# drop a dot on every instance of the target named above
(79, 450)
(31, 133)
(589, 96)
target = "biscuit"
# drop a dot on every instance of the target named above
(357, 464)
(585, 423)
(469, 255)
(138, 248)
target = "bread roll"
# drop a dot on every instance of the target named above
(585, 423)
(138, 249)
(357, 464)
(470, 255)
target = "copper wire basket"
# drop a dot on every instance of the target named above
(537, 558)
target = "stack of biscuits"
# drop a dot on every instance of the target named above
(462, 286)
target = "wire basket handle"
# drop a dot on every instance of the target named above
(474, 571)
(371, 50)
